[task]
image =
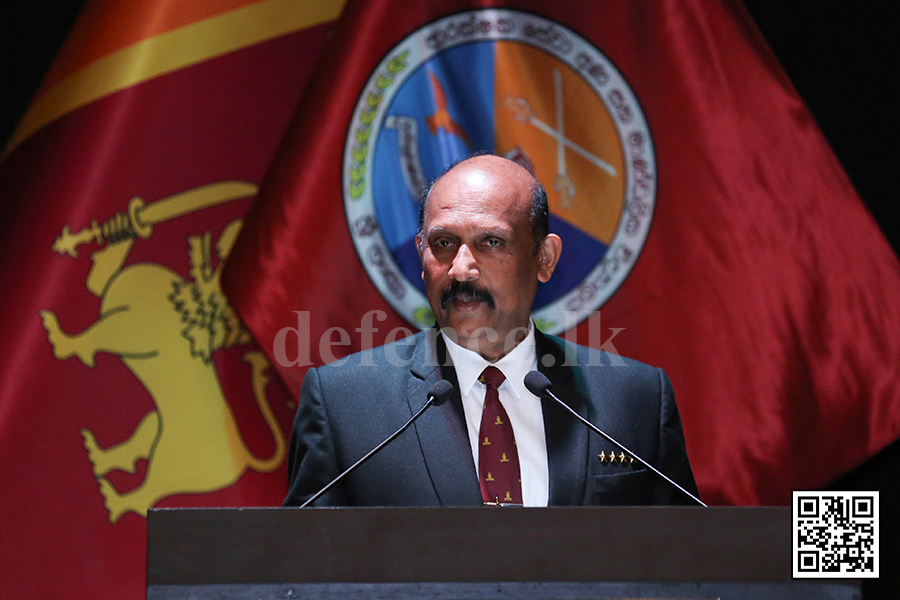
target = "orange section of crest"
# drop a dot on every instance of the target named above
(106, 26)
(525, 101)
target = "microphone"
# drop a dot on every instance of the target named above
(538, 384)
(438, 394)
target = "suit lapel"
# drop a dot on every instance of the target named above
(441, 430)
(567, 439)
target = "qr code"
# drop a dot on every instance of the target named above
(835, 534)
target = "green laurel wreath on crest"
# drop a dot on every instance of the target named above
(363, 131)
(424, 316)
(544, 324)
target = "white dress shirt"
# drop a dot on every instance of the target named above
(523, 408)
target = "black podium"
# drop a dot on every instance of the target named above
(486, 553)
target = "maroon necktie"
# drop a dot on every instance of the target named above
(498, 460)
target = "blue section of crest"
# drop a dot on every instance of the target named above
(465, 75)
(580, 254)
(407, 258)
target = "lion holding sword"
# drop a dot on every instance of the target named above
(165, 329)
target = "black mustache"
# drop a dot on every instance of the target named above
(463, 291)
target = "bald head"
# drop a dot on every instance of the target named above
(538, 211)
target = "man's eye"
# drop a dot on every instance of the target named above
(492, 242)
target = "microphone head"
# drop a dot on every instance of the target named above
(440, 392)
(537, 383)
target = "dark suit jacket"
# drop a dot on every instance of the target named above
(348, 407)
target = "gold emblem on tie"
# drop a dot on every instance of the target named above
(508, 498)
(489, 477)
(486, 442)
(498, 421)
(503, 458)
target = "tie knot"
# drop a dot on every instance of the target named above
(492, 377)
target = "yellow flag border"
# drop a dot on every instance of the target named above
(170, 51)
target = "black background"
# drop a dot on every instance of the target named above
(840, 55)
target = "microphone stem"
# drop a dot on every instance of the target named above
(603, 434)
(371, 452)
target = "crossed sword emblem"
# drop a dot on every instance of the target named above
(562, 183)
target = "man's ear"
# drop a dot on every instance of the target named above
(548, 255)
(419, 250)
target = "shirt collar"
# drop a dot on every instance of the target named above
(515, 365)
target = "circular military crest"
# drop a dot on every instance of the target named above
(523, 87)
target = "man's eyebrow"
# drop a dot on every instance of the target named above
(490, 232)
(437, 229)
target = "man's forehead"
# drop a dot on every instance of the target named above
(499, 214)
(489, 187)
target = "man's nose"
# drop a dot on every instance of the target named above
(464, 267)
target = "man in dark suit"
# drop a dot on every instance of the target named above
(484, 244)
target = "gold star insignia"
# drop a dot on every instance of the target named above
(602, 457)
(621, 457)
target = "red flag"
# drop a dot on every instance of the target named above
(127, 381)
(701, 210)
